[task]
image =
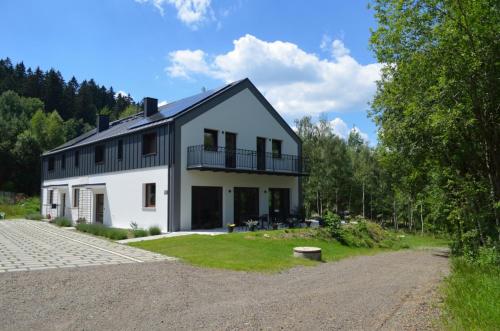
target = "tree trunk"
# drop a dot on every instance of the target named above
(421, 218)
(395, 217)
(363, 199)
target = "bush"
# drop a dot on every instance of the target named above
(154, 230)
(20, 209)
(63, 221)
(33, 216)
(140, 233)
(361, 234)
(103, 231)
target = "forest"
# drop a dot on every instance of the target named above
(39, 110)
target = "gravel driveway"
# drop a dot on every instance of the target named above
(390, 291)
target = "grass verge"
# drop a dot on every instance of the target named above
(472, 297)
(262, 251)
(29, 206)
(103, 231)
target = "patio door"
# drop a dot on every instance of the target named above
(206, 207)
(99, 208)
(279, 204)
(246, 204)
(230, 150)
(261, 153)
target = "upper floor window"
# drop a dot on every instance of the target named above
(120, 149)
(150, 195)
(63, 161)
(210, 140)
(149, 143)
(99, 154)
(51, 163)
(276, 148)
(77, 159)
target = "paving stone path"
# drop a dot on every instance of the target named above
(31, 245)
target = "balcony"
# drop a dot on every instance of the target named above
(244, 161)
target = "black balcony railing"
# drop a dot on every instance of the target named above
(243, 160)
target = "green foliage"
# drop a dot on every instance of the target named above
(363, 233)
(63, 222)
(129, 111)
(22, 208)
(437, 109)
(154, 230)
(140, 233)
(103, 231)
(472, 297)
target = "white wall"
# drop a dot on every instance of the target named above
(244, 115)
(123, 196)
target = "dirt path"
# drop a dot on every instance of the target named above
(388, 291)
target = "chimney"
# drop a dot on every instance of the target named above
(102, 122)
(150, 106)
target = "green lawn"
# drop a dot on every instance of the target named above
(264, 251)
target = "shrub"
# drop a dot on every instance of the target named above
(140, 233)
(33, 216)
(154, 230)
(103, 231)
(63, 221)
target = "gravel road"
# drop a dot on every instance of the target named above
(390, 291)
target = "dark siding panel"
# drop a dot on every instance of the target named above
(132, 156)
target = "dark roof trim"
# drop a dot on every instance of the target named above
(55, 185)
(85, 185)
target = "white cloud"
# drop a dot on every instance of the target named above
(190, 12)
(339, 127)
(121, 93)
(162, 103)
(296, 82)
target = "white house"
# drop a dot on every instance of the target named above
(219, 157)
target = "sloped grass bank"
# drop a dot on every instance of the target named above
(263, 251)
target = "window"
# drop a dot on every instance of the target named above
(77, 159)
(120, 149)
(210, 140)
(276, 149)
(99, 154)
(149, 143)
(63, 161)
(150, 195)
(51, 163)
(76, 197)
(51, 197)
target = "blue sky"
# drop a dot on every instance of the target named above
(307, 57)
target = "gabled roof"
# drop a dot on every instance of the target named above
(137, 122)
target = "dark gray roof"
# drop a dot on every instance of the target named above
(137, 122)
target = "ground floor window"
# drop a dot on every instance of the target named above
(150, 195)
(51, 196)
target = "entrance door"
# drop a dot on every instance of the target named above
(261, 153)
(206, 207)
(99, 208)
(279, 204)
(63, 204)
(230, 150)
(246, 204)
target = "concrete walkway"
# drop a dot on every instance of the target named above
(211, 232)
(30, 245)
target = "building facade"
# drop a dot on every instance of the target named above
(220, 157)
